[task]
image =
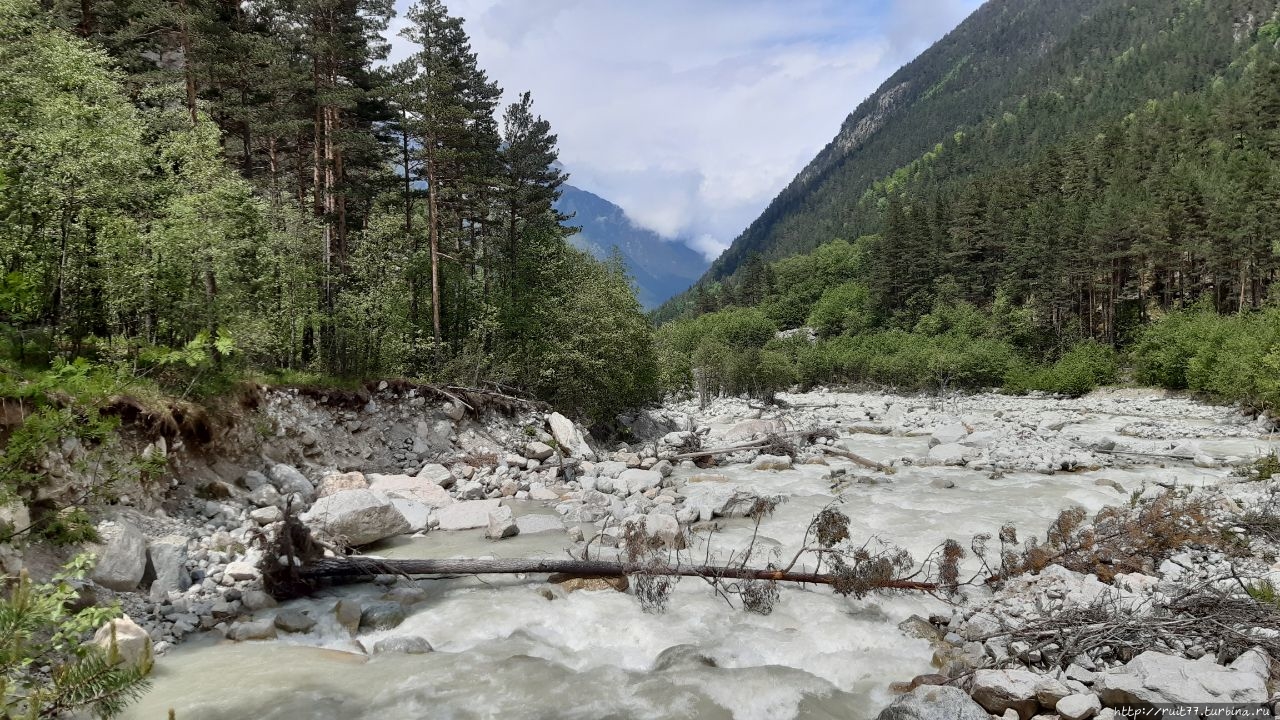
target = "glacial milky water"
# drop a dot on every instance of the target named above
(504, 650)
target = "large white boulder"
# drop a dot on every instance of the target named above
(421, 489)
(1153, 678)
(948, 434)
(949, 454)
(122, 561)
(1000, 690)
(466, 515)
(934, 702)
(637, 480)
(288, 480)
(569, 437)
(358, 517)
(168, 557)
(502, 524)
(124, 642)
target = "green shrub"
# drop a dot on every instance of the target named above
(842, 309)
(1083, 368)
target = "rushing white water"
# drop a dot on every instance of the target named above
(503, 649)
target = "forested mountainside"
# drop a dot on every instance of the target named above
(1122, 169)
(660, 268)
(205, 187)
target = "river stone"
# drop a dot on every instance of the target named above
(168, 558)
(294, 621)
(538, 451)
(538, 522)
(635, 480)
(948, 434)
(1153, 678)
(753, 429)
(682, 657)
(1050, 691)
(610, 469)
(382, 616)
(502, 524)
(569, 437)
(254, 480)
(241, 570)
(132, 643)
(771, 462)
(255, 600)
(934, 702)
(263, 629)
(665, 527)
(415, 513)
(288, 481)
(337, 482)
(572, 584)
(1078, 707)
(267, 515)
(466, 515)
(420, 489)
(266, 496)
(348, 612)
(438, 474)
(405, 645)
(949, 454)
(1000, 690)
(123, 562)
(358, 517)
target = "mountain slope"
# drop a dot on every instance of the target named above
(661, 268)
(1062, 66)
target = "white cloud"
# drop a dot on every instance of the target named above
(693, 115)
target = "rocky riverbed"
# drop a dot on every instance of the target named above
(404, 476)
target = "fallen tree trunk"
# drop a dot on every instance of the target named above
(864, 462)
(351, 568)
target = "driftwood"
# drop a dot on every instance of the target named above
(1183, 458)
(864, 462)
(764, 442)
(351, 568)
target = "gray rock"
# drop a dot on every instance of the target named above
(382, 616)
(635, 480)
(348, 614)
(254, 480)
(949, 454)
(934, 702)
(405, 645)
(358, 517)
(569, 437)
(538, 451)
(168, 557)
(610, 469)
(123, 561)
(266, 496)
(1078, 707)
(682, 657)
(263, 629)
(1050, 691)
(288, 480)
(466, 515)
(1153, 678)
(267, 515)
(948, 434)
(255, 600)
(423, 488)
(502, 524)
(242, 570)
(1000, 690)
(132, 644)
(438, 474)
(771, 462)
(537, 523)
(294, 621)
(415, 513)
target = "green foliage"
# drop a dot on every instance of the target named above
(1262, 469)
(46, 670)
(842, 309)
(1086, 366)
(1234, 358)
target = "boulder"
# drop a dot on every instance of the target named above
(382, 616)
(1078, 707)
(241, 570)
(405, 645)
(610, 468)
(415, 513)
(266, 496)
(754, 429)
(466, 515)
(423, 489)
(288, 480)
(934, 702)
(254, 480)
(264, 629)
(348, 614)
(771, 462)
(569, 437)
(255, 600)
(949, 454)
(1000, 690)
(132, 644)
(665, 527)
(123, 560)
(635, 480)
(537, 523)
(502, 524)
(358, 517)
(538, 451)
(338, 482)
(438, 474)
(715, 499)
(948, 434)
(573, 584)
(1153, 678)
(682, 657)
(168, 558)
(294, 621)
(267, 515)
(1050, 691)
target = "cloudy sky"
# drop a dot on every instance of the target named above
(693, 114)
